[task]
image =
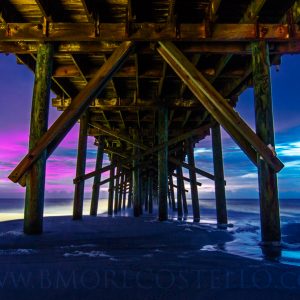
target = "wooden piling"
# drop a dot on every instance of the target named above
(179, 193)
(80, 168)
(120, 190)
(116, 188)
(163, 164)
(150, 192)
(267, 179)
(219, 175)
(35, 181)
(124, 191)
(172, 194)
(146, 195)
(129, 202)
(97, 178)
(184, 202)
(111, 187)
(194, 190)
(136, 180)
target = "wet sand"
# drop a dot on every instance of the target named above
(134, 258)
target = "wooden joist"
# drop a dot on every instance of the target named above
(70, 116)
(217, 105)
(229, 47)
(58, 32)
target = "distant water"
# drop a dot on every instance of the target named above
(242, 213)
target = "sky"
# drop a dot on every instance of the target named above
(16, 85)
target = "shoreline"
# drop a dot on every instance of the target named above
(133, 258)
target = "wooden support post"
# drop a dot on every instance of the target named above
(97, 178)
(150, 192)
(129, 202)
(184, 202)
(219, 175)
(172, 194)
(124, 191)
(117, 186)
(179, 193)
(194, 190)
(163, 164)
(111, 187)
(146, 194)
(268, 192)
(136, 180)
(35, 182)
(80, 168)
(120, 191)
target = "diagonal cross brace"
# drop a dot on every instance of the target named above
(217, 106)
(56, 133)
(153, 150)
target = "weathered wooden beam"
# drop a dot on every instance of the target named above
(193, 181)
(137, 75)
(150, 193)
(195, 61)
(78, 63)
(87, 11)
(121, 191)
(117, 187)
(179, 193)
(136, 179)
(219, 175)
(252, 12)
(35, 181)
(184, 202)
(186, 178)
(97, 178)
(92, 174)
(69, 117)
(163, 164)
(129, 202)
(124, 191)
(224, 47)
(44, 8)
(162, 80)
(215, 104)
(107, 180)
(110, 202)
(213, 10)
(80, 167)
(268, 191)
(172, 194)
(145, 32)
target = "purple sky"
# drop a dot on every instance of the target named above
(16, 83)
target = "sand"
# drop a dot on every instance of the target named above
(134, 258)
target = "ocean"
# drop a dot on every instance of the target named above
(243, 214)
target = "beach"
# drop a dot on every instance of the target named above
(137, 258)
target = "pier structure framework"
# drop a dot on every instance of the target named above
(149, 80)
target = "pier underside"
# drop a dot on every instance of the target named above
(149, 80)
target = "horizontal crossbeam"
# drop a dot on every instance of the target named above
(146, 32)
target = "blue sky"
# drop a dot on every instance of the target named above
(16, 83)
